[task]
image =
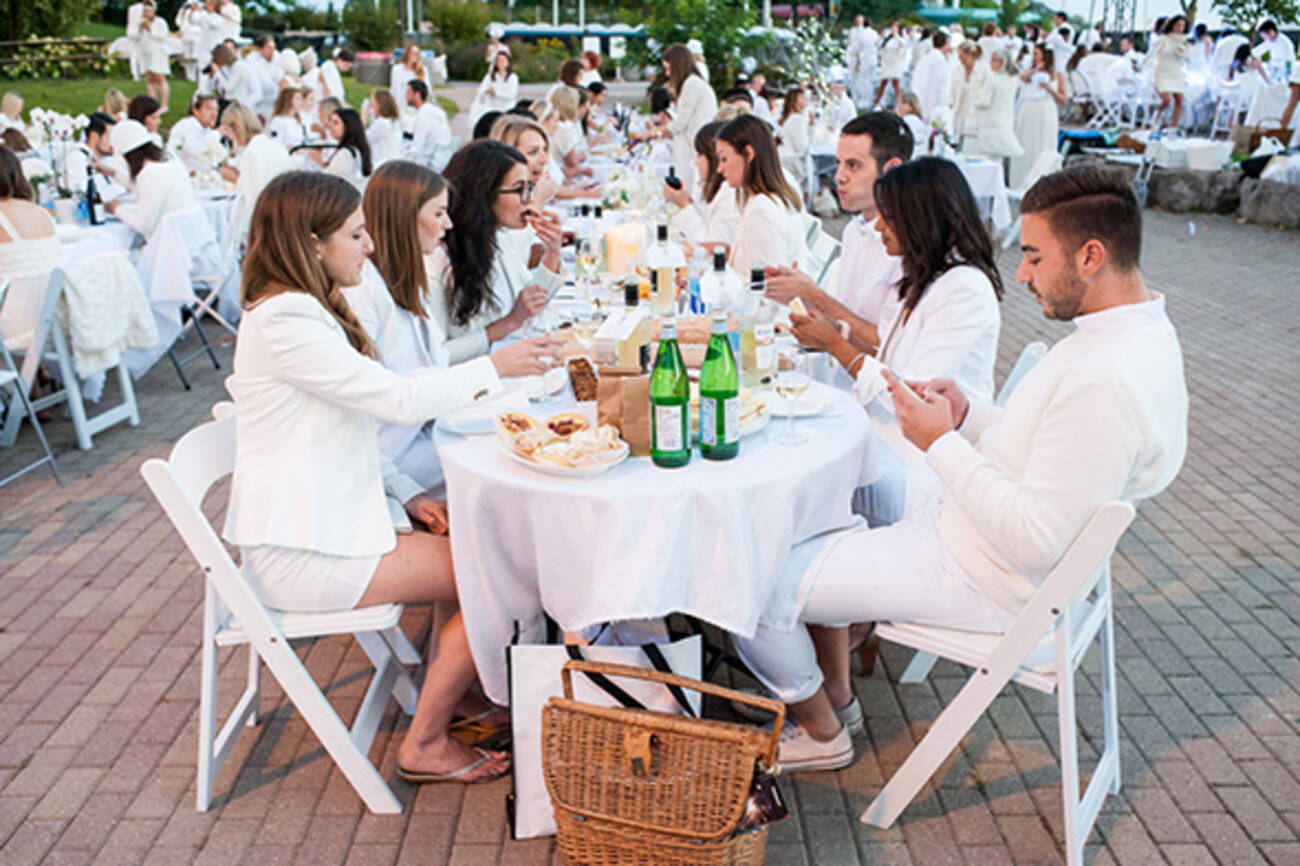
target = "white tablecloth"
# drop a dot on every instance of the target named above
(1267, 107)
(706, 539)
(985, 179)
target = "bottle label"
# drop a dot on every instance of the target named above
(708, 421)
(97, 212)
(668, 428)
(764, 346)
(731, 420)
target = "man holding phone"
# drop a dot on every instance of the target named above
(1102, 417)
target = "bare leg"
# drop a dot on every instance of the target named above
(832, 645)
(880, 90)
(419, 571)
(817, 717)
(1160, 112)
(1290, 106)
(898, 94)
(166, 90)
(1178, 110)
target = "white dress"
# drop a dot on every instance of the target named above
(1036, 126)
(696, 106)
(504, 96)
(28, 262)
(893, 57)
(794, 145)
(1169, 54)
(151, 48)
(995, 119)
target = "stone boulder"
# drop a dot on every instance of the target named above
(1179, 190)
(1270, 203)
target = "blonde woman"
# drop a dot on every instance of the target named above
(410, 69)
(115, 103)
(529, 138)
(568, 147)
(995, 111)
(11, 112)
(255, 158)
(312, 524)
(696, 106)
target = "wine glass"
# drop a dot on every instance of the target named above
(584, 327)
(792, 379)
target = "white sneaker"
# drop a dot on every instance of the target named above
(850, 717)
(799, 752)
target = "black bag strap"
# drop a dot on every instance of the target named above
(657, 659)
(603, 682)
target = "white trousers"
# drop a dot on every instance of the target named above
(899, 573)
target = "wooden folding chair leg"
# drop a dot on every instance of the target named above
(938, 743)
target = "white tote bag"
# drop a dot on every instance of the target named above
(534, 671)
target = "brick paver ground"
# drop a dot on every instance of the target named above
(100, 613)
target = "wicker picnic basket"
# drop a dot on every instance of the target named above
(646, 788)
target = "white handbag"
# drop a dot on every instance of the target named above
(534, 677)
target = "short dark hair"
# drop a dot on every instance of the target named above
(1089, 203)
(199, 99)
(13, 183)
(596, 88)
(421, 89)
(346, 56)
(263, 39)
(483, 126)
(1065, 32)
(890, 136)
(741, 94)
(939, 39)
(99, 122)
(1268, 27)
(141, 107)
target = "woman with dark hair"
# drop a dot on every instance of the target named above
(709, 213)
(29, 249)
(383, 127)
(893, 63)
(162, 185)
(1042, 91)
(313, 524)
(1171, 51)
(406, 217)
(147, 111)
(696, 105)
(498, 90)
(946, 326)
(487, 287)
(771, 229)
(350, 158)
(795, 126)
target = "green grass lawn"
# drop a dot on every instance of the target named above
(82, 96)
(100, 30)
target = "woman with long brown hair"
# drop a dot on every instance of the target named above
(795, 127)
(308, 496)
(709, 213)
(406, 217)
(696, 105)
(771, 229)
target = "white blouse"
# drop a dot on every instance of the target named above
(385, 137)
(696, 106)
(716, 220)
(161, 188)
(504, 96)
(347, 165)
(769, 232)
(286, 130)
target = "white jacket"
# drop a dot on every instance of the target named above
(716, 220)
(769, 232)
(696, 105)
(406, 343)
(308, 473)
(161, 188)
(1102, 417)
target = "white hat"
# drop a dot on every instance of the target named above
(695, 46)
(496, 31)
(129, 135)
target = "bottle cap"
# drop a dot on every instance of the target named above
(757, 277)
(585, 210)
(631, 292)
(719, 259)
(598, 211)
(661, 231)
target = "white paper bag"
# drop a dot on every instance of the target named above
(534, 671)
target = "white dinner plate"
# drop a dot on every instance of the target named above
(749, 428)
(810, 404)
(474, 422)
(566, 471)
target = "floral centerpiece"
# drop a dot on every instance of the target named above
(55, 131)
(940, 140)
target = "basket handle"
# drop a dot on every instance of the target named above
(704, 688)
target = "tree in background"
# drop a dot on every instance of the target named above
(20, 19)
(1246, 14)
(722, 26)
(878, 12)
(372, 26)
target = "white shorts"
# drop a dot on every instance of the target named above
(307, 581)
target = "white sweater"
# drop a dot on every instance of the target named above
(1102, 417)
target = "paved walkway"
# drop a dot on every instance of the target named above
(100, 612)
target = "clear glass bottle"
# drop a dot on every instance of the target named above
(664, 260)
(757, 333)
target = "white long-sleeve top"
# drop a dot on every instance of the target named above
(406, 343)
(794, 143)
(191, 142)
(769, 232)
(269, 76)
(1102, 417)
(509, 276)
(931, 79)
(244, 84)
(966, 94)
(385, 137)
(715, 220)
(399, 77)
(696, 105)
(868, 275)
(161, 188)
(429, 130)
(308, 473)
(286, 130)
(504, 95)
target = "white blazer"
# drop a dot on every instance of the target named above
(696, 105)
(769, 232)
(509, 276)
(161, 188)
(308, 473)
(406, 343)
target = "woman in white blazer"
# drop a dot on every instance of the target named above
(995, 112)
(771, 228)
(488, 286)
(406, 218)
(710, 213)
(696, 105)
(162, 185)
(308, 496)
(946, 326)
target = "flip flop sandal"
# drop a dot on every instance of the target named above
(422, 778)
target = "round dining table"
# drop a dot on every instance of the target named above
(708, 539)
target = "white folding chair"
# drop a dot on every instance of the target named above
(825, 250)
(9, 378)
(47, 339)
(216, 279)
(233, 615)
(1042, 650)
(1048, 161)
(1030, 355)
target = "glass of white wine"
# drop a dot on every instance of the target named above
(584, 328)
(792, 379)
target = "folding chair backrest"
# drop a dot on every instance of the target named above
(825, 250)
(1048, 161)
(1029, 358)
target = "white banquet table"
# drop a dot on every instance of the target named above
(707, 539)
(1267, 107)
(986, 184)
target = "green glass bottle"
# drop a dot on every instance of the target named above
(719, 396)
(670, 396)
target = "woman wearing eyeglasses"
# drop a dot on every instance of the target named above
(490, 284)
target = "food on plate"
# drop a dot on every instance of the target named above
(511, 423)
(528, 442)
(583, 378)
(586, 447)
(796, 306)
(566, 424)
(751, 407)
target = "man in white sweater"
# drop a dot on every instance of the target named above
(1102, 417)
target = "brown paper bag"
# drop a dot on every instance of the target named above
(624, 401)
